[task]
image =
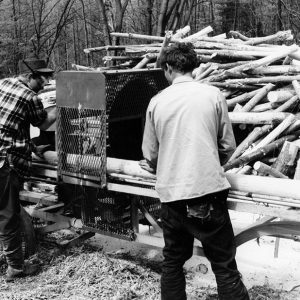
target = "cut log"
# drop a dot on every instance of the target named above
(265, 107)
(234, 54)
(194, 37)
(104, 48)
(205, 73)
(239, 87)
(241, 98)
(254, 135)
(202, 68)
(264, 169)
(276, 187)
(234, 46)
(260, 95)
(237, 35)
(272, 79)
(120, 58)
(82, 68)
(144, 61)
(230, 65)
(259, 153)
(132, 168)
(167, 39)
(296, 86)
(286, 160)
(247, 170)
(264, 61)
(294, 127)
(274, 133)
(280, 96)
(279, 36)
(297, 170)
(180, 33)
(220, 36)
(288, 104)
(138, 36)
(257, 118)
(275, 70)
(238, 108)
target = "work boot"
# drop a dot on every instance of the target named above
(27, 270)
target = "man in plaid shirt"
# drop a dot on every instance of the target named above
(19, 107)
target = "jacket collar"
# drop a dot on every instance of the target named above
(183, 78)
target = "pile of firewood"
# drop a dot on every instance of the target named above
(258, 76)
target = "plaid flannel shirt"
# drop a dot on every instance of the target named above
(19, 107)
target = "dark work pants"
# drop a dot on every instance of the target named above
(10, 234)
(217, 238)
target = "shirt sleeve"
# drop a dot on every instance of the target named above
(226, 139)
(36, 111)
(150, 143)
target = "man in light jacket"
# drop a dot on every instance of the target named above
(187, 138)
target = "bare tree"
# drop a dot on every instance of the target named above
(47, 32)
(117, 16)
(105, 21)
(149, 16)
(174, 14)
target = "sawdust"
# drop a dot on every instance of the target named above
(87, 272)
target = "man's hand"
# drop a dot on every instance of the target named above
(145, 164)
(40, 150)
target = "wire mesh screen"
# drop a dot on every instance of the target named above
(81, 142)
(127, 97)
(108, 213)
(128, 93)
(87, 135)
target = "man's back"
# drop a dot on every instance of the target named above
(190, 121)
(19, 107)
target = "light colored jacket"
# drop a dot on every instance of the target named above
(188, 136)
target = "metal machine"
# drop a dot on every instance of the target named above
(101, 116)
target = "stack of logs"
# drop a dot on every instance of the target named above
(258, 76)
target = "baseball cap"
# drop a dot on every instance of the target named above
(34, 65)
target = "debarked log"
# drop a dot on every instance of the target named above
(280, 96)
(278, 69)
(272, 57)
(296, 86)
(286, 160)
(113, 165)
(280, 187)
(274, 133)
(253, 136)
(257, 118)
(277, 187)
(259, 153)
(241, 98)
(267, 79)
(278, 36)
(265, 107)
(264, 169)
(260, 95)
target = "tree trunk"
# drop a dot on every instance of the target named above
(149, 17)
(86, 34)
(162, 13)
(105, 20)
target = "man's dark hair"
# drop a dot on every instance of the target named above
(181, 56)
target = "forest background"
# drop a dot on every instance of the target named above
(59, 30)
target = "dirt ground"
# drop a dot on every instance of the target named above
(99, 269)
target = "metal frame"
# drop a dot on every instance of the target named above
(287, 227)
